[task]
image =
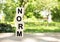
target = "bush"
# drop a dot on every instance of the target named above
(6, 28)
(56, 15)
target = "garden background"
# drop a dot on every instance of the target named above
(33, 21)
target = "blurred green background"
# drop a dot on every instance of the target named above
(33, 21)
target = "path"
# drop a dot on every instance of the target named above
(35, 37)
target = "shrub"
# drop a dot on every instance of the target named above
(6, 28)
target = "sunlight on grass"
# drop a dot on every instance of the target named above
(42, 27)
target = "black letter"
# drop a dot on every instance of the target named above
(19, 33)
(19, 18)
(20, 26)
(19, 11)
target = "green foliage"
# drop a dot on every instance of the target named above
(6, 28)
(56, 14)
(29, 10)
(29, 14)
(10, 10)
(37, 15)
(34, 5)
(35, 27)
(0, 6)
(31, 7)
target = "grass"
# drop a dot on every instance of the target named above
(37, 27)
(42, 27)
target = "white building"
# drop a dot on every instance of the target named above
(46, 15)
